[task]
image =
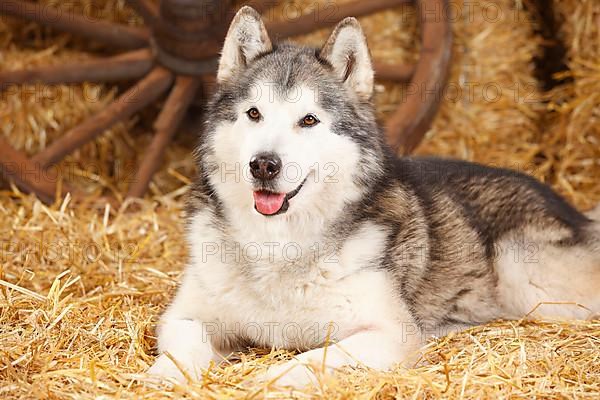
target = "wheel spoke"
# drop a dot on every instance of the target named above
(407, 126)
(110, 33)
(27, 175)
(131, 65)
(393, 72)
(137, 97)
(165, 126)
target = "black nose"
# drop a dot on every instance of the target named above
(265, 166)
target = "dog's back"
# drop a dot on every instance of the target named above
(489, 237)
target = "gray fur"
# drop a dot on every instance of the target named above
(439, 232)
(446, 216)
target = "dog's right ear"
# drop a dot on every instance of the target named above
(246, 39)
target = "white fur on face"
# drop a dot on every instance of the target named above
(326, 159)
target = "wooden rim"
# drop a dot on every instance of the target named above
(407, 126)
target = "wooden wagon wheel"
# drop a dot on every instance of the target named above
(177, 51)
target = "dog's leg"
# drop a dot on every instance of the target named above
(376, 349)
(186, 337)
(548, 276)
(185, 341)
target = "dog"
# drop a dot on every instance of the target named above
(306, 233)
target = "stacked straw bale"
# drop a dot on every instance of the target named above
(80, 289)
(491, 107)
(573, 126)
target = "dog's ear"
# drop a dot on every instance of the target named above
(246, 39)
(346, 50)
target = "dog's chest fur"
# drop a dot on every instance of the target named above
(290, 293)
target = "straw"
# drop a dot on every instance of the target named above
(81, 288)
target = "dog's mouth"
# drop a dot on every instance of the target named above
(272, 203)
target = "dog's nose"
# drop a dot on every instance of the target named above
(265, 166)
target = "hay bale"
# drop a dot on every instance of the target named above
(574, 121)
(491, 109)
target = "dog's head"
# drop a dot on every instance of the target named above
(291, 129)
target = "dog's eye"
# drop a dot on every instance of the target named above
(309, 120)
(253, 114)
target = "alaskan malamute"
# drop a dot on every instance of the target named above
(307, 234)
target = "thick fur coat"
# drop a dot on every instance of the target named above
(305, 233)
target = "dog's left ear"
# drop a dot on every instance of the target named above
(346, 50)
(246, 39)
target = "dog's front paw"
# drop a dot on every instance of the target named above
(164, 367)
(291, 374)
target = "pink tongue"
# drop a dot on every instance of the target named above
(268, 203)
